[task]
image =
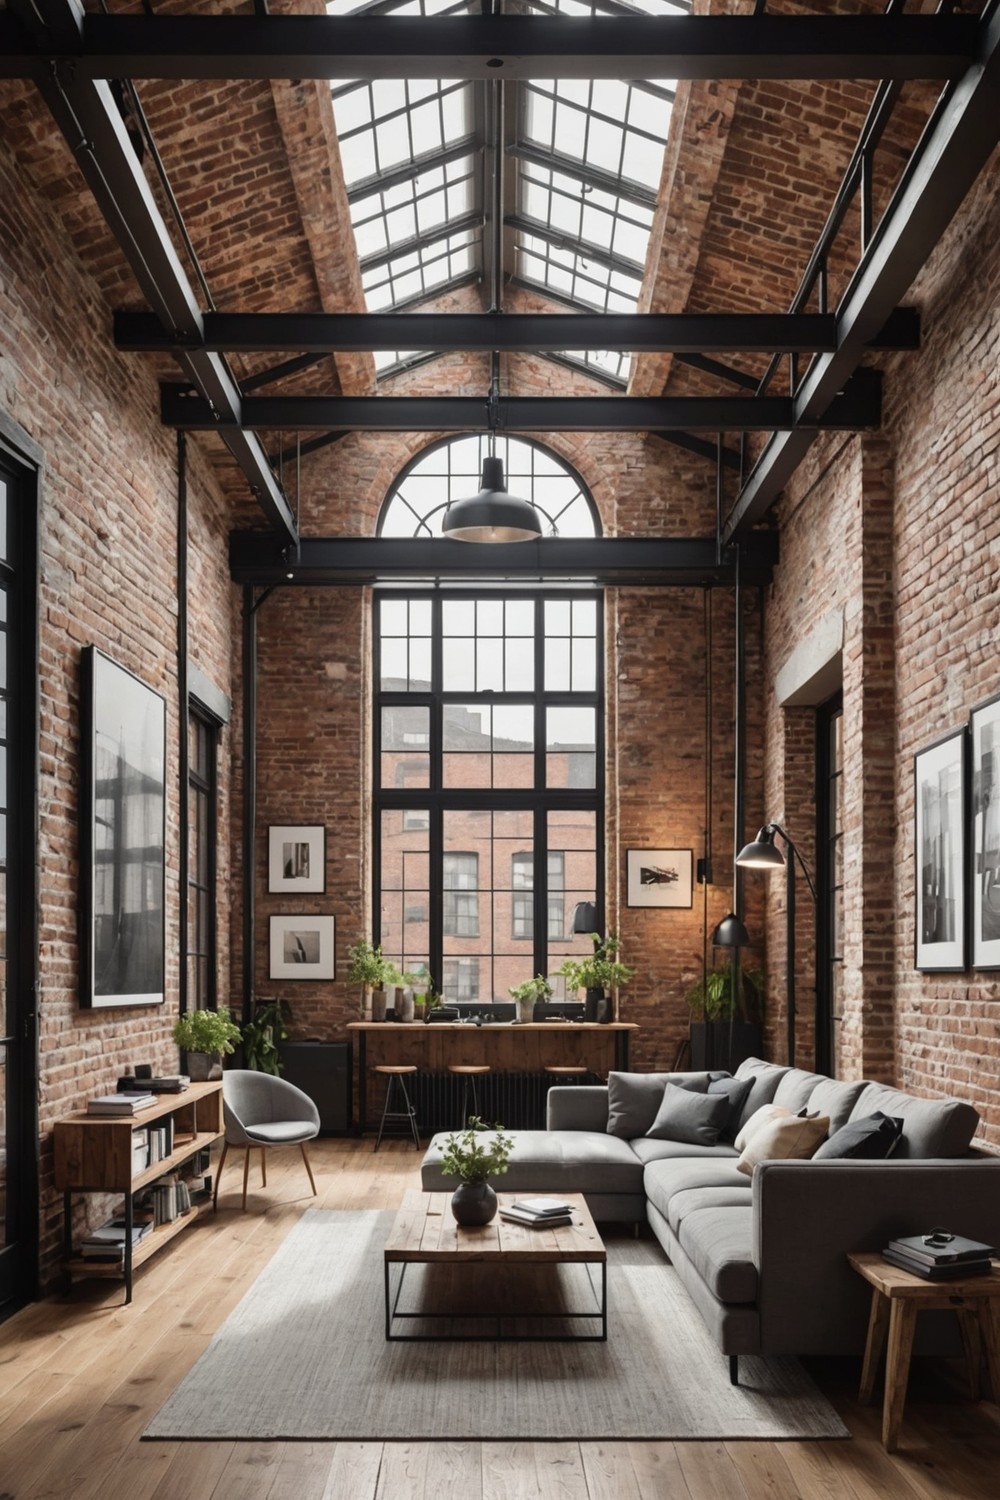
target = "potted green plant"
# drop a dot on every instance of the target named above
(726, 1018)
(262, 1036)
(374, 972)
(475, 1154)
(598, 974)
(528, 993)
(205, 1035)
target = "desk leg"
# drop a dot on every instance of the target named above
(878, 1327)
(362, 1082)
(989, 1327)
(621, 1051)
(902, 1322)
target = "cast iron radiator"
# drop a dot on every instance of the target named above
(514, 1100)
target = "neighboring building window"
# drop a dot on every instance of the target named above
(523, 895)
(202, 853)
(460, 979)
(461, 895)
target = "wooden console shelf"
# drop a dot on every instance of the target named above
(93, 1154)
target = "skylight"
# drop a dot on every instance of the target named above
(585, 157)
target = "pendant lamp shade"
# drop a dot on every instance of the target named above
(731, 933)
(762, 854)
(492, 515)
(584, 917)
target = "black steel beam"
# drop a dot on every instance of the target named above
(254, 558)
(520, 47)
(858, 406)
(704, 448)
(327, 333)
(956, 144)
(91, 122)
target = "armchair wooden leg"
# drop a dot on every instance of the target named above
(305, 1158)
(246, 1175)
(218, 1175)
(263, 1167)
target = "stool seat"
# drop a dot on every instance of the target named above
(564, 1070)
(396, 1068)
(469, 1070)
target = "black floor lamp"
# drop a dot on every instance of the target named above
(762, 854)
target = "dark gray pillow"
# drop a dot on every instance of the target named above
(634, 1098)
(694, 1119)
(737, 1091)
(871, 1139)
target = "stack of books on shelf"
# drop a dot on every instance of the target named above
(940, 1256)
(539, 1213)
(170, 1197)
(161, 1140)
(120, 1104)
(108, 1243)
(140, 1149)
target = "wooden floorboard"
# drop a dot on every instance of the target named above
(81, 1376)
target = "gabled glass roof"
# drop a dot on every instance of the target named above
(585, 158)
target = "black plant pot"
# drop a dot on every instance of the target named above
(724, 1044)
(473, 1204)
(595, 1006)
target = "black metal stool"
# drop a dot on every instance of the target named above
(468, 1072)
(395, 1074)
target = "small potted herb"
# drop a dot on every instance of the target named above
(528, 994)
(205, 1035)
(375, 973)
(475, 1154)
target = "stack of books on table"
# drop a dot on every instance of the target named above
(170, 1083)
(940, 1257)
(108, 1242)
(120, 1104)
(539, 1213)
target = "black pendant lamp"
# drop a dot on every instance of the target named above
(492, 515)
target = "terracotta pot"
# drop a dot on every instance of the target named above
(473, 1204)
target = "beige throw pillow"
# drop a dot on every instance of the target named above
(759, 1118)
(783, 1140)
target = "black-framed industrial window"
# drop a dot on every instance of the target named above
(202, 936)
(830, 879)
(488, 782)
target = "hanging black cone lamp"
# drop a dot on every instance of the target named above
(492, 515)
(731, 933)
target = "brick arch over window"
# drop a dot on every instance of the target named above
(450, 470)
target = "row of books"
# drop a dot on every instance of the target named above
(940, 1256)
(151, 1143)
(538, 1213)
(169, 1198)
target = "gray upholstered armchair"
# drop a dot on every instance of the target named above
(264, 1111)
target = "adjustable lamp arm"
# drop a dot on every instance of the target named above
(770, 829)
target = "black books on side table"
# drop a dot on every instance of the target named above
(940, 1256)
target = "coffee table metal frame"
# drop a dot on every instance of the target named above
(425, 1233)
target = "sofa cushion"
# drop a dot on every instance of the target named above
(766, 1077)
(836, 1099)
(736, 1090)
(795, 1089)
(931, 1127)
(719, 1243)
(794, 1138)
(648, 1149)
(551, 1161)
(696, 1119)
(720, 1196)
(662, 1179)
(871, 1139)
(634, 1098)
(758, 1120)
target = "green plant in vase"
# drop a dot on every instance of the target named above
(600, 972)
(205, 1035)
(475, 1154)
(529, 993)
(373, 971)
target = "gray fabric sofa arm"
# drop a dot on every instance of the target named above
(584, 1107)
(807, 1216)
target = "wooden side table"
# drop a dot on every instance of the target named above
(897, 1297)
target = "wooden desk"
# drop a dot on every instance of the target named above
(897, 1297)
(505, 1047)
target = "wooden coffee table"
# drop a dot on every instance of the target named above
(425, 1233)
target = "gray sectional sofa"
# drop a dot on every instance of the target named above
(763, 1257)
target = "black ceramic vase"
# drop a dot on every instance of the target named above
(473, 1203)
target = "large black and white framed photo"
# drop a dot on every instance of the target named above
(302, 947)
(123, 726)
(984, 734)
(659, 877)
(939, 840)
(296, 858)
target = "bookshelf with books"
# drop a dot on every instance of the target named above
(134, 1154)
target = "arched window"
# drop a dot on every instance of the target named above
(451, 470)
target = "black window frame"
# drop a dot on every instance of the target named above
(203, 790)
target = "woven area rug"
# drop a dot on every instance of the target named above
(304, 1356)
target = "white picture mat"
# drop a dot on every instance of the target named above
(939, 849)
(302, 947)
(296, 858)
(985, 863)
(660, 877)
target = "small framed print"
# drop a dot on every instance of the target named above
(660, 877)
(296, 858)
(984, 735)
(939, 854)
(302, 947)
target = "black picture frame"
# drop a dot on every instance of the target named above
(940, 819)
(123, 758)
(984, 834)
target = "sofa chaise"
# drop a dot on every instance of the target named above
(763, 1256)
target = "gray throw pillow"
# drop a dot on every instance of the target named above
(634, 1098)
(871, 1139)
(695, 1119)
(737, 1091)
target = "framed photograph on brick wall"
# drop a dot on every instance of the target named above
(939, 779)
(302, 947)
(296, 858)
(123, 741)
(984, 735)
(659, 877)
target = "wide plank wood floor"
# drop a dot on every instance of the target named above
(81, 1376)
